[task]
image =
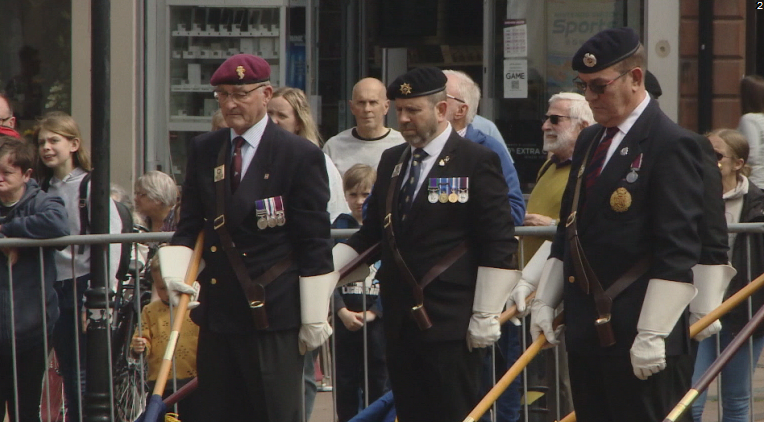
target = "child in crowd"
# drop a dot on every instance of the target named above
(63, 169)
(25, 211)
(151, 340)
(349, 307)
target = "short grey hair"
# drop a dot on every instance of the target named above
(159, 187)
(467, 90)
(579, 107)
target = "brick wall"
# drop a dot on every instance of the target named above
(728, 63)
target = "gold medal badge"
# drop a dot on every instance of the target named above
(620, 200)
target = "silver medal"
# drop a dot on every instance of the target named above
(632, 177)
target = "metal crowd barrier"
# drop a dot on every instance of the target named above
(531, 411)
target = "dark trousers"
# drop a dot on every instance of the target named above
(605, 389)
(350, 367)
(30, 367)
(66, 334)
(434, 381)
(254, 377)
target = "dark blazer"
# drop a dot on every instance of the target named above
(674, 212)
(285, 165)
(484, 221)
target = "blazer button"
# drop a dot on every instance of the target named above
(572, 279)
(213, 281)
(213, 248)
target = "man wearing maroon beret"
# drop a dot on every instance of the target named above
(259, 193)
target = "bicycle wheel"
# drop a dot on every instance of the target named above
(130, 391)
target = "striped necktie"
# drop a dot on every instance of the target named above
(407, 193)
(598, 159)
(238, 142)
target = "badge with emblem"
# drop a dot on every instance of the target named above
(636, 165)
(443, 189)
(397, 170)
(240, 70)
(590, 60)
(261, 213)
(280, 214)
(464, 189)
(620, 200)
(219, 173)
(453, 196)
(432, 190)
(405, 89)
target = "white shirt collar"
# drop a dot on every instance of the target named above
(626, 125)
(253, 134)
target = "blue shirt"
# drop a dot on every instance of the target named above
(515, 195)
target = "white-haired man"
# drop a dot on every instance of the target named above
(567, 116)
(463, 96)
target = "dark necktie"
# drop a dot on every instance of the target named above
(598, 159)
(409, 187)
(236, 163)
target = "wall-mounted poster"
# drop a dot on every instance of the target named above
(515, 78)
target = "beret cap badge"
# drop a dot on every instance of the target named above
(240, 71)
(590, 60)
(405, 89)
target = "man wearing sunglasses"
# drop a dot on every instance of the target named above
(634, 229)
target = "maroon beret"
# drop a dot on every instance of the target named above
(5, 130)
(242, 69)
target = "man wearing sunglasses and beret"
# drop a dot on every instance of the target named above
(640, 251)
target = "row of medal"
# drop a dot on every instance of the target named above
(448, 189)
(270, 212)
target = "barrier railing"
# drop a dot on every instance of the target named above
(52, 401)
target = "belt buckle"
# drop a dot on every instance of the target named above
(571, 219)
(602, 321)
(219, 221)
(388, 220)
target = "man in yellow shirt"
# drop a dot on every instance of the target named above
(568, 114)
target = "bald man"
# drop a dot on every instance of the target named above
(369, 138)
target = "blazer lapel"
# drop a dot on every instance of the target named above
(618, 166)
(446, 156)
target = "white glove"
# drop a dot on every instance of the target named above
(491, 292)
(542, 316)
(342, 254)
(548, 296)
(530, 281)
(484, 330)
(175, 288)
(711, 282)
(664, 303)
(315, 293)
(173, 265)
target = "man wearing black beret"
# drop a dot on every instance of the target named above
(440, 209)
(259, 193)
(640, 252)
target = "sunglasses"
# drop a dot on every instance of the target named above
(597, 89)
(720, 156)
(555, 118)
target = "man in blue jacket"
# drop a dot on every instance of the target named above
(463, 97)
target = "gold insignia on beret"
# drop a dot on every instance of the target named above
(620, 200)
(240, 70)
(405, 89)
(590, 60)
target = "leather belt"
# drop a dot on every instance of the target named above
(254, 290)
(586, 278)
(418, 311)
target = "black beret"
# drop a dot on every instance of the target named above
(652, 86)
(241, 69)
(605, 49)
(417, 82)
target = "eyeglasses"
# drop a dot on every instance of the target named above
(720, 156)
(555, 118)
(455, 99)
(597, 89)
(238, 96)
(5, 119)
